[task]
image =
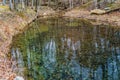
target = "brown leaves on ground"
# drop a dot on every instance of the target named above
(111, 18)
(12, 76)
(10, 24)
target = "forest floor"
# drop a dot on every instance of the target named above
(12, 23)
(112, 18)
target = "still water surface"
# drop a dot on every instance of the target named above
(67, 49)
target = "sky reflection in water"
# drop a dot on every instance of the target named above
(62, 49)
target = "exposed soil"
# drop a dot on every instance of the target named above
(112, 18)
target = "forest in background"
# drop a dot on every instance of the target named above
(16, 14)
(20, 5)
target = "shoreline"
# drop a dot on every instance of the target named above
(12, 23)
(9, 27)
(112, 18)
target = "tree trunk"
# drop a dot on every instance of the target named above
(32, 3)
(96, 4)
(4, 2)
(11, 4)
(49, 1)
(70, 4)
(23, 4)
(36, 5)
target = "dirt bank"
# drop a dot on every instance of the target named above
(111, 18)
(11, 23)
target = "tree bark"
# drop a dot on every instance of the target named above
(4, 2)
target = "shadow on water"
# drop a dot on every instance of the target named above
(67, 49)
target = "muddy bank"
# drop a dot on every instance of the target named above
(12, 23)
(111, 18)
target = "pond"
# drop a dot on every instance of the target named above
(67, 49)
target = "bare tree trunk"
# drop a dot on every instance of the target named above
(96, 3)
(15, 2)
(23, 4)
(4, 2)
(32, 3)
(11, 4)
(49, 1)
(36, 5)
(70, 4)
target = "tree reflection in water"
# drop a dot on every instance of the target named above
(70, 50)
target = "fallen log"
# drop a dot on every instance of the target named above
(109, 11)
(101, 12)
(97, 11)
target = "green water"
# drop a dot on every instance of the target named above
(67, 49)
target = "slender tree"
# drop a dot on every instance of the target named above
(11, 4)
(4, 2)
(70, 4)
(23, 4)
(32, 3)
(49, 2)
(36, 5)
